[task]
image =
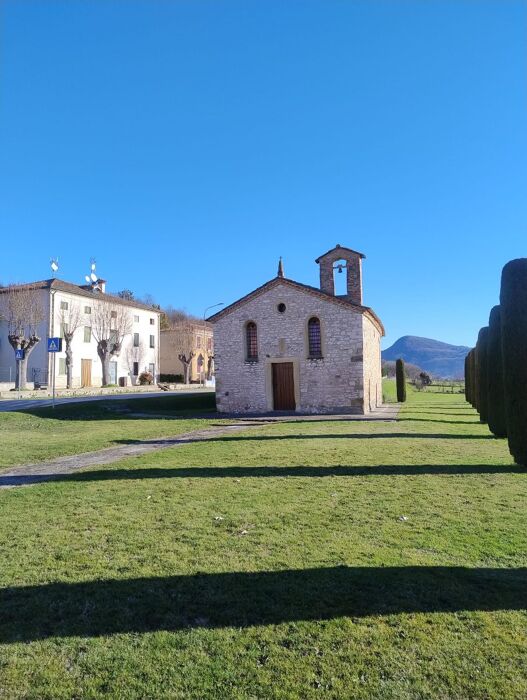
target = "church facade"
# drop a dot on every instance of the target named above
(287, 346)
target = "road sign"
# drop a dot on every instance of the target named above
(19, 354)
(54, 344)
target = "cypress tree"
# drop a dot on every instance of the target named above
(496, 396)
(513, 300)
(467, 377)
(473, 377)
(476, 376)
(483, 339)
(400, 380)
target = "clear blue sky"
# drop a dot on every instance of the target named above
(187, 144)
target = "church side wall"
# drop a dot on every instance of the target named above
(332, 383)
(372, 365)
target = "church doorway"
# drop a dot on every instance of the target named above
(283, 386)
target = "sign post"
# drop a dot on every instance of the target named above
(19, 356)
(54, 346)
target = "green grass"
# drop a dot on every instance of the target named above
(274, 564)
(44, 433)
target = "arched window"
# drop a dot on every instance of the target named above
(251, 337)
(314, 337)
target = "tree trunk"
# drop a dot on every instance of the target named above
(18, 342)
(104, 356)
(186, 370)
(69, 365)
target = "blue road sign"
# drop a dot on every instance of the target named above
(54, 344)
(19, 354)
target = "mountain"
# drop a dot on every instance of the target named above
(437, 358)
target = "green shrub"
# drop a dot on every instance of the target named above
(171, 378)
(400, 380)
(483, 339)
(513, 300)
(496, 396)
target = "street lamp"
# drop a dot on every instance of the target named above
(212, 306)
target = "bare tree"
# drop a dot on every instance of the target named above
(24, 311)
(111, 323)
(210, 367)
(182, 339)
(70, 320)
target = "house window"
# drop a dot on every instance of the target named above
(252, 341)
(114, 337)
(87, 309)
(152, 341)
(198, 342)
(64, 305)
(136, 319)
(62, 365)
(63, 329)
(209, 344)
(136, 369)
(152, 321)
(87, 334)
(136, 340)
(314, 337)
(113, 314)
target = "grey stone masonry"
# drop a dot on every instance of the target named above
(331, 345)
(353, 262)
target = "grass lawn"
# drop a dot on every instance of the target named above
(301, 560)
(44, 433)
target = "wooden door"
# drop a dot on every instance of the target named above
(85, 372)
(283, 386)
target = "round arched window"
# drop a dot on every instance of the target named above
(314, 337)
(281, 307)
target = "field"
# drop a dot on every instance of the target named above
(303, 560)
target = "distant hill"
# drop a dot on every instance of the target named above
(437, 358)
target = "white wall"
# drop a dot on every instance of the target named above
(40, 359)
(144, 355)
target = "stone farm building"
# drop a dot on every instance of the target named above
(190, 338)
(288, 346)
(63, 304)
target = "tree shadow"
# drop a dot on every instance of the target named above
(108, 474)
(242, 599)
(314, 436)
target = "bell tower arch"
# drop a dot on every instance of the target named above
(353, 266)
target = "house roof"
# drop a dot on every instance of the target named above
(339, 247)
(83, 291)
(277, 281)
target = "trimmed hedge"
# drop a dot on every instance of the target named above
(483, 408)
(400, 380)
(496, 396)
(513, 300)
(171, 378)
(473, 377)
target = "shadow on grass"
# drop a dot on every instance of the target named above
(319, 436)
(262, 472)
(173, 406)
(239, 599)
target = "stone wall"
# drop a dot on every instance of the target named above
(372, 365)
(335, 382)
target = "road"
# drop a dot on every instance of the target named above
(23, 404)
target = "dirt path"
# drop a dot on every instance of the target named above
(27, 474)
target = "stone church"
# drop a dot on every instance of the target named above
(287, 346)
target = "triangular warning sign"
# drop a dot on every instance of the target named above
(52, 345)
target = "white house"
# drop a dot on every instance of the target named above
(65, 304)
